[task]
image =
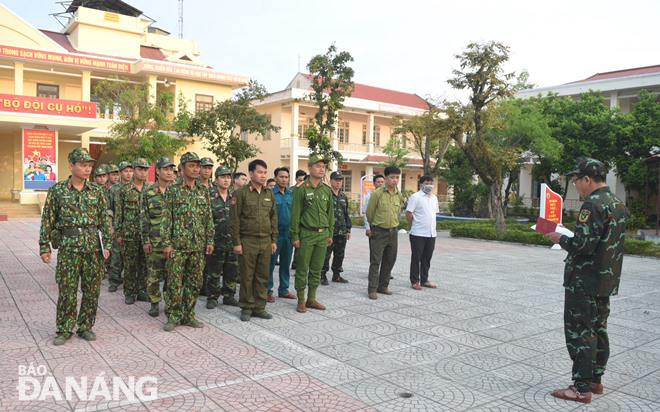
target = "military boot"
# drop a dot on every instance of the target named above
(229, 301)
(154, 311)
(324, 280)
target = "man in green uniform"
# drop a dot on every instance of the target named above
(113, 175)
(312, 226)
(151, 216)
(75, 220)
(591, 275)
(342, 232)
(383, 216)
(127, 223)
(253, 230)
(101, 179)
(300, 176)
(187, 231)
(205, 173)
(223, 263)
(116, 259)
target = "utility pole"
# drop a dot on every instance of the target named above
(181, 19)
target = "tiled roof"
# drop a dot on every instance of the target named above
(59, 38)
(153, 53)
(622, 73)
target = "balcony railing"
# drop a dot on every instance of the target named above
(354, 147)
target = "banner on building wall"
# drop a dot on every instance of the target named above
(551, 205)
(39, 159)
(366, 187)
(42, 105)
(62, 58)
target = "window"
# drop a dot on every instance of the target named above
(343, 132)
(364, 134)
(51, 91)
(348, 180)
(203, 102)
(270, 121)
(377, 135)
(403, 182)
(303, 125)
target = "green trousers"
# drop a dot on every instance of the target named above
(184, 278)
(73, 268)
(254, 267)
(383, 245)
(221, 264)
(155, 274)
(311, 256)
(135, 276)
(116, 265)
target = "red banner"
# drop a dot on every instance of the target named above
(551, 204)
(42, 105)
(74, 60)
(39, 158)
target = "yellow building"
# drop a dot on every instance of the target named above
(47, 80)
(362, 130)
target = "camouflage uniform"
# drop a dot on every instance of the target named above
(223, 262)
(187, 227)
(206, 161)
(101, 170)
(592, 274)
(78, 216)
(116, 259)
(127, 217)
(343, 227)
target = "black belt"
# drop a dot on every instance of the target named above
(315, 229)
(78, 231)
(382, 228)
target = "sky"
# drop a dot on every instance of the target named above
(403, 45)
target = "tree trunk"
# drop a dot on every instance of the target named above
(563, 197)
(427, 156)
(496, 204)
(513, 177)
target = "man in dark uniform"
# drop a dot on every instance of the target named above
(342, 231)
(205, 173)
(75, 213)
(592, 274)
(116, 259)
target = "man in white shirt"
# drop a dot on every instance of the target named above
(421, 211)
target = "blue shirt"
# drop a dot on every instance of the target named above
(283, 202)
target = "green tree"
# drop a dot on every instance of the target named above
(144, 129)
(332, 83)
(460, 177)
(397, 155)
(481, 72)
(225, 126)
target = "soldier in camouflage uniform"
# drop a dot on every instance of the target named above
(205, 173)
(127, 223)
(342, 231)
(151, 213)
(113, 176)
(187, 231)
(101, 178)
(223, 262)
(75, 220)
(116, 260)
(592, 274)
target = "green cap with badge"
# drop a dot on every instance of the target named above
(123, 165)
(141, 162)
(586, 166)
(190, 157)
(164, 162)
(222, 170)
(207, 161)
(317, 158)
(112, 168)
(80, 154)
(101, 170)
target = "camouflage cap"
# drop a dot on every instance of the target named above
(222, 170)
(123, 165)
(315, 159)
(190, 157)
(207, 161)
(141, 162)
(112, 168)
(80, 154)
(101, 170)
(164, 162)
(336, 175)
(586, 166)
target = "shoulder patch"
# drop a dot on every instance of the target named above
(584, 216)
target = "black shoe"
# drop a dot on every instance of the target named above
(88, 335)
(169, 326)
(229, 301)
(245, 316)
(194, 323)
(262, 314)
(129, 300)
(112, 288)
(324, 280)
(211, 304)
(60, 340)
(339, 279)
(154, 311)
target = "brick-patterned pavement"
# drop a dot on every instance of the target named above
(488, 338)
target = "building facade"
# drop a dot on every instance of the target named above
(47, 83)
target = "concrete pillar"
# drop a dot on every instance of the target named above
(335, 143)
(370, 133)
(84, 140)
(86, 85)
(369, 170)
(295, 113)
(614, 100)
(152, 88)
(18, 79)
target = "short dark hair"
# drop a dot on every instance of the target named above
(238, 174)
(269, 181)
(392, 170)
(281, 169)
(252, 166)
(378, 176)
(425, 178)
(597, 179)
(301, 172)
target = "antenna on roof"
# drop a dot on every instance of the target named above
(181, 19)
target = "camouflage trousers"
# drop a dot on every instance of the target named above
(116, 265)
(585, 327)
(73, 267)
(222, 263)
(184, 279)
(155, 274)
(337, 249)
(135, 276)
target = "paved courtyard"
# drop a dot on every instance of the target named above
(489, 338)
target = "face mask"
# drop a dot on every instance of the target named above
(428, 188)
